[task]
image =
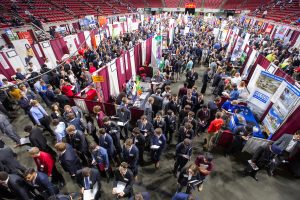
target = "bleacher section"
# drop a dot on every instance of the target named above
(172, 3)
(212, 4)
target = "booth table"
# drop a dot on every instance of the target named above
(249, 118)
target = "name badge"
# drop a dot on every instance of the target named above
(130, 154)
(125, 179)
(185, 175)
(105, 142)
(159, 142)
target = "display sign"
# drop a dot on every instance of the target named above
(190, 5)
(98, 79)
(266, 85)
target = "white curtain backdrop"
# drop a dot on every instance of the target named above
(143, 52)
(113, 77)
(132, 62)
(88, 38)
(21, 50)
(47, 49)
(71, 43)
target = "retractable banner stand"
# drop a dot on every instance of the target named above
(148, 50)
(81, 38)
(280, 33)
(113, 76)
(171, 30)
(48, 51)
(20, 48)
(265, 86)
(238, 50)
(284, 102)
(57, 49)
(116, 30)
(105, 84)
(250, 62)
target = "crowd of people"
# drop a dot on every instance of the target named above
(90, 147)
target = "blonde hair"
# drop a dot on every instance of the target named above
(34, 151)
(61, 146)
(70, 128)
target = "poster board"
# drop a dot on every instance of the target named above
(283, 105)
(264, 86)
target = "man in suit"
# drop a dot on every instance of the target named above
(183, 154)
(130, 155)
(205, 81)
(74, 109)
(37, 139)
(79, 143)
(7, 129)
(40, 181)
(60, 98)
(124, 116)
(68, 158)
(87, 178)
(46, 163)
(157, 104)
(14, 185)
(114, 131)
(9, 163)
(77, 122)
(140, 142)
(185, 131)
(157, 145)
(24, 103)
(106, 141)
(123, 175)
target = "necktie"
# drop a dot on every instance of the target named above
(86, 183)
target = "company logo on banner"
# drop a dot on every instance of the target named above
(266, 85)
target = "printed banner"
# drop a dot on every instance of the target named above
(238, 50)
(281, 108)
(266, 86)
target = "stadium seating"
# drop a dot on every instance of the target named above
(172, 3)
(212, 4)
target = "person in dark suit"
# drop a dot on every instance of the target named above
(9, 163)
(159, 122)
(78, 141)
(157, 145)
(130, 155)
(124, 115)
(68, 158)
(203, 116)
(87, 178)
(182, 155)
(40, 181)
(24, 103)
(77, 122)
(60, 98)
(140, 196)
(190, 119)
(50, 93)
(124, 175)
(185, 131)
(145, 126)
(173, 104)
(170, 120)
(140, 142)
(114, 131)
(37, 139)
(16, 186)
(106, 141)
(158, 100)
(188, 99)
(205, 81)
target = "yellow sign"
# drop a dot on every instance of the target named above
(98, 79)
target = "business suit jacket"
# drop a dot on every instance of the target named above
(94, 178)
(139, 141)
(78, 124)
(131, 156)
(62, 100)
(19, 187)
(9, 162)
(284, 141)
(148, 127)
(124, 116)
(44, 186)
(183, 133)
(70, 161)
(78, 141)
(160, 124)
(127, 178)
(106, 142)
(37, 139)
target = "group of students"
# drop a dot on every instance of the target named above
(88, 151)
